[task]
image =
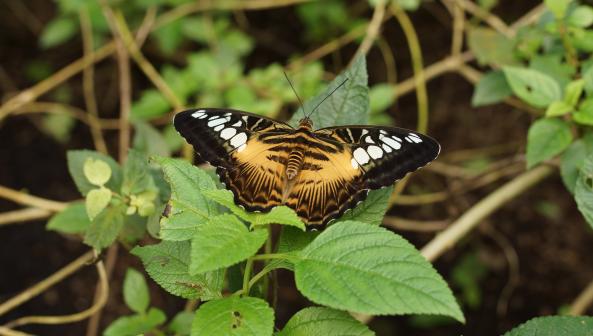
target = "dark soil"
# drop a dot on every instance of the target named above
(553, 251)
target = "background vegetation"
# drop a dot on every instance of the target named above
(89, 90)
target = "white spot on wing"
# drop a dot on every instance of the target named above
(368, 139)
(245, 118)
(198, 114)
(386, 148)
(228, 133)
(392, 143)
(217, 122)
(242, 147)
(383, 132)
(364, 131)
(361, 156)
(375, 152)
(239, 140)
(218, 128)
(415, 138)
(237, 124)
(354, 163)
(214, 117)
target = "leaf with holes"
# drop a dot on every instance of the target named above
(247, 316)
(167, 264)
(223, 241)
(532, 86)
(367, 269)
(555, 326)
(547, 138)
(324, 321)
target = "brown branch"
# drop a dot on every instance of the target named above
(62, 319)
(404, 224)
(41, 286)
(88, 85)
(471, 218)
(23, 215)
(26, 199)
(373, 28)
(72, 111)
(583, 301)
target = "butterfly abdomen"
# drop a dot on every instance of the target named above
(295, 161)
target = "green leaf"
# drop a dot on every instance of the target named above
(167, 263)
(491, 47)
(291, 242)
(341, 269)
(97, 200)
(584, 114)
(583, 192)
(492, 88)
(73, 219)
(223, 241)
(136, 324)
(169, 36)
(381, 97)
(573, 92)
(573, 158)
(96, 171)
(152, 104)
(555, 66)
(149, 140)
(323, 321)
(76, 161)
(588, 78)
(58, 31)
(557, 7)
(349, 105)
(189, 206)
(372, 210)
(582, 16)
(278, 215)
(533, 87)
(558, 108)
(555, 326)
(235, 316)
(105, 227)
(137, 177)
(136, 293)
(547, 138)
(59, 126)
(181, 323)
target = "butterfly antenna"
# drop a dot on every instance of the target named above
(295, 93)
(331, 93)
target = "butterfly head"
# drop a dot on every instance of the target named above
(306, 123)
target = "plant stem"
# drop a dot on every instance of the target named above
(246, 275)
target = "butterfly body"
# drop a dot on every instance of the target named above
(318, 173)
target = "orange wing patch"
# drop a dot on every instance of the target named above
(327, 185)
(256, 178)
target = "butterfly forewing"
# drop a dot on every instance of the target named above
(337, 166)
(385, 154)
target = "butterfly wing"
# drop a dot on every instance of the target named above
(385, 154)
(344, 163)
(233, 142)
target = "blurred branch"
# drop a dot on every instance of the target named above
(61, 319)
(72, 111)
(492, 20)
(472, 217)
(26, 199)
(46, 283)
(101, 293)
(23, 215)
(88, 78)
(373, 29)
(458, 29)
(9, 332)
(583, 301)
(390, 66)
(404, 224)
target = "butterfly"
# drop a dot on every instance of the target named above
(318, 173)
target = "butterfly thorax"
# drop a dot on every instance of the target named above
(306, 124)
